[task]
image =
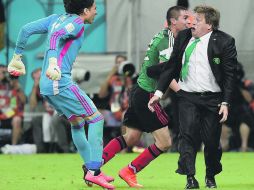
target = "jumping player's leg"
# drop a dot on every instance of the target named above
(66, 103)
(92, 170)
(130, 138)
(79, 138)
(92, 163)
(82, 106)
(95, 135)
(75, 104)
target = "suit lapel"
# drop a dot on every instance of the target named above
(211, 44)
(185, 43)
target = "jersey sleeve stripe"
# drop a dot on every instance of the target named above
(55, 36)
(78, 21)
(66, 47)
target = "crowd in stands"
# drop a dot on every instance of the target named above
(29, 124)
(12, 101)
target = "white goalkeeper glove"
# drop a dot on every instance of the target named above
(16, 67)
(53, 72)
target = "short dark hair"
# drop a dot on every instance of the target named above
(77, 6)
(121, 56)
(174, 12)
(212, 15)
(183, 3)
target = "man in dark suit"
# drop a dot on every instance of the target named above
(204, 58)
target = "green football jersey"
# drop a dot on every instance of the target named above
(158, 51)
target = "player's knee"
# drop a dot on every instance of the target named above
(169, 144)
(16, 121)
(76, 122)
(131, 140)
(164, 145)
(77, 125)
(96, 117)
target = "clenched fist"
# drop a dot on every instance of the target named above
(16, 67)
(53, 72)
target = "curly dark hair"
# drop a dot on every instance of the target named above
(77, 6)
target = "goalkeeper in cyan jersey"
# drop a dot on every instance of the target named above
(65, 37)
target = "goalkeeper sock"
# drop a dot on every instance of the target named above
(81, 143)
(95, 135)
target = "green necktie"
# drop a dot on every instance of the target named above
(188, 52)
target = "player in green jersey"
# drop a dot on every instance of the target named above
(138, 118)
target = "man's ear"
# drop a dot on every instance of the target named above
(210, 27)
(173, 21)
(86, 10)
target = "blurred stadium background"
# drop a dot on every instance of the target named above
(121, 26)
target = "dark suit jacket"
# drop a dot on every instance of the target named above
(222, 57)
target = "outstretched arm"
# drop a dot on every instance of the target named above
(16, 66)
(40, 26)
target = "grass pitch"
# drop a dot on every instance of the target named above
(63, 172)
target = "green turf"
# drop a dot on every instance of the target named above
(63, 172)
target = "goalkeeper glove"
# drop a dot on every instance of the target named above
(53, 72)
(16, 67)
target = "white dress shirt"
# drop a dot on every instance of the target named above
(200, 77)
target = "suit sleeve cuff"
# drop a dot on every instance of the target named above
(18, 51)
(225, 104)
(158, 93)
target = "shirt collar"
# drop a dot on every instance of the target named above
(204, 38)
(170, 34)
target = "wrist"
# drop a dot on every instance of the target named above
(52, 61)
(35, 87)
(158, 93)
(224, 104)
(17, 56)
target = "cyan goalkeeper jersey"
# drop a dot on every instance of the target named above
(159, 50)
(65, 37)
